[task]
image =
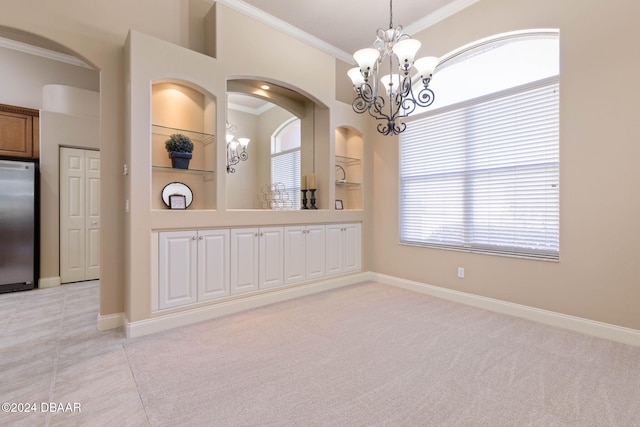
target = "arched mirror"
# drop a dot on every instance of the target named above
(269, 145)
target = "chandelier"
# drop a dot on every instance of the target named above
(236, 148)
(390, 97)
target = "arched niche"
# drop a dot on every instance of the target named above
(178, 107)
(257, 113)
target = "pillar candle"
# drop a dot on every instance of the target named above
(303, 182)
(312, 181)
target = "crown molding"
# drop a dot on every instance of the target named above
(42, 52)
(439, 15)
(295, 32)
(255, 111)
(286, 28)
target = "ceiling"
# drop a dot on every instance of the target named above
(340, 27)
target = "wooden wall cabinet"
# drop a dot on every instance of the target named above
(19, 132)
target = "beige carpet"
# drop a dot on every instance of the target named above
(375, 355)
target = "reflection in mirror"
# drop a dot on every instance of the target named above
(270, 177)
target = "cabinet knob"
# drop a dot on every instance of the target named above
(201, 238)
(193, 238)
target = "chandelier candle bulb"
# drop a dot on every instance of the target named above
(426, 65)
(366, 59)
(312, 181)
(391, 83)
(356, 76)
(406, 50)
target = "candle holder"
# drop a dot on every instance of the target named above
(313, 198)
(304, 199)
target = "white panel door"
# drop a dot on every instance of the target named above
(177, 278)
(92, 215)
(213, 264)
(315, 251)
(244, 260)
(294, 254)
(333, 249)
(72, 215)
(271, 257)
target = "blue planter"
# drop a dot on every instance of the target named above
(180, 160)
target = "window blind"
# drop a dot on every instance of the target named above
(285, 169)
(484, 176)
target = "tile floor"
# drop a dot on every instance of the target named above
(52, 352)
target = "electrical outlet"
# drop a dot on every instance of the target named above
(461, 272)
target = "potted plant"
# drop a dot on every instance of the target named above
(180, 148)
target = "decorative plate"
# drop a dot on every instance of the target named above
(176, 188)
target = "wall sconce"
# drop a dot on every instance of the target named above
(236, 148)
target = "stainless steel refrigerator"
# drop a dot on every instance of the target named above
(17, 225)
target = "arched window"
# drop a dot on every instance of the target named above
(479, 170)
(285, 160)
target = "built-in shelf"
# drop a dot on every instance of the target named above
(202, 144)
(203, 138)
(348, 168)
(169, 169)
(340, 182)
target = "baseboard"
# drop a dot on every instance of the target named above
(187, 317)
(577, 324)
(49, 282)
(110, 321)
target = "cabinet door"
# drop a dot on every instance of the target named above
(294, 254)
(213, 264)
(333, 249)
(315, 251)
(177, 268)
(16, 133)
(352, 248)
(271, 257)
(244, 260)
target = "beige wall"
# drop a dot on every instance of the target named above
(96, 31)
(597, 276)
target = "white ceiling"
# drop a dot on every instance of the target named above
(340, 27)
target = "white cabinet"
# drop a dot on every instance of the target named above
(213, 264)
(256, 259)
(271, 250)
(202, 265)
(244, 260)
(304, 253)
(193, 266)
(343, 248)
